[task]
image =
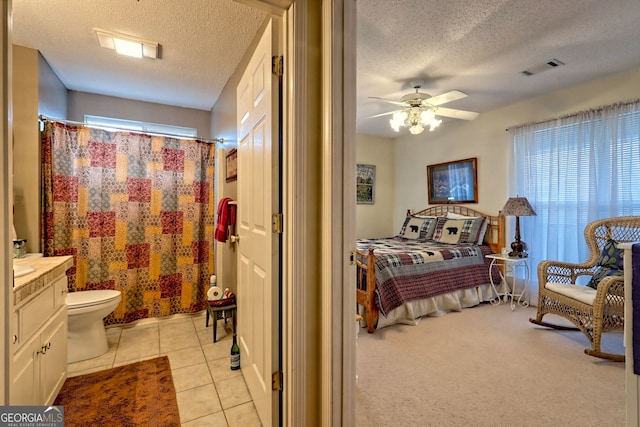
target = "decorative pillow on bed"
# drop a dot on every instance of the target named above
(459, 231)
(483, 230)
(609, 263)
(418, 227)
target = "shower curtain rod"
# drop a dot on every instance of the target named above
(43, 118)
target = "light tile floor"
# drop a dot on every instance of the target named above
(209, 393)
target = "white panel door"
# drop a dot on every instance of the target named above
(258, 256)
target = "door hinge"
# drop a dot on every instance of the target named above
(276, 223)
(352, 258)
(276, 381)
(277, 64)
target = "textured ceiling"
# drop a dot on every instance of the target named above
(202, 42)
(480, 47)
(476, 46)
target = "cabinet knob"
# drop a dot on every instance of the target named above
(14, 339)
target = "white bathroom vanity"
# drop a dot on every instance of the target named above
(39, 330)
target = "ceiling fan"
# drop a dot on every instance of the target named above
(419, 109)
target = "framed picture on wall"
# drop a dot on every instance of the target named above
(231, 171)
(453, 182)
(365, 184)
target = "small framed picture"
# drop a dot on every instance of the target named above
(232, 165)
(365, 184)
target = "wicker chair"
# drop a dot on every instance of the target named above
(592, 311)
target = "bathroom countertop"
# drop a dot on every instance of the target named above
(47, 269)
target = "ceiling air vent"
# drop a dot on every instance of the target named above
(553, 63)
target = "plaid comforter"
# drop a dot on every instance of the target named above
(407, 270)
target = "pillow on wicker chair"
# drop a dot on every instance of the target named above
(609, 263)
(611, 255)
(601, 273)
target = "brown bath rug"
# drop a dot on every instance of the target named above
(138, 394)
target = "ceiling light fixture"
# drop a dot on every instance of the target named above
(418, 109)
(416, 118)
(417, 114)
(128, 45)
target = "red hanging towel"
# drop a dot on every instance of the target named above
(232, 213)
(226, 217)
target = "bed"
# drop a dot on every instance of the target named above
(436, 264)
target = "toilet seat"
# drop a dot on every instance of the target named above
(83, 299)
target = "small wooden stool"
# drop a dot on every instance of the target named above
(221, 312)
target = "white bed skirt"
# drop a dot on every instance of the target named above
(411, 312)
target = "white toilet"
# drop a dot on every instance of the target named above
(86, 309)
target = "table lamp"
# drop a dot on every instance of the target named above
(517, 206)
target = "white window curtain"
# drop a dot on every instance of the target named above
(574, 170)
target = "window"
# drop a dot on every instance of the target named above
(574, 170)
(110, 122)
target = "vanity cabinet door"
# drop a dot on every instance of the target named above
(53, 363)
(40, 366)
(25, 374)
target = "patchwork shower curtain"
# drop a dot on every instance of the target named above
(136, 211)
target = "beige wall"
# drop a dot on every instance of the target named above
(376, 220)
(81, 103)
(26, 145)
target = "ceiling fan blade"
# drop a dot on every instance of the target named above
(383, 114)
(446, 97)
(387, 100)
(456, 114)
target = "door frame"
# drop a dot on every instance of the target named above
(338, 283)
(319, 187)
(6, 197)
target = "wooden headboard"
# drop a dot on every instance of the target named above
(494, 236)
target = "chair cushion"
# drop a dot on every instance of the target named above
(584, 294)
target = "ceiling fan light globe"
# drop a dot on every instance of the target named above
(427, 116)
(434, 124)
(416, 129)
(400, 117)
(394, 125)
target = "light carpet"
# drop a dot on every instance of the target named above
(137, 394)
(486, 366)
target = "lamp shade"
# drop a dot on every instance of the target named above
(518, 206)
